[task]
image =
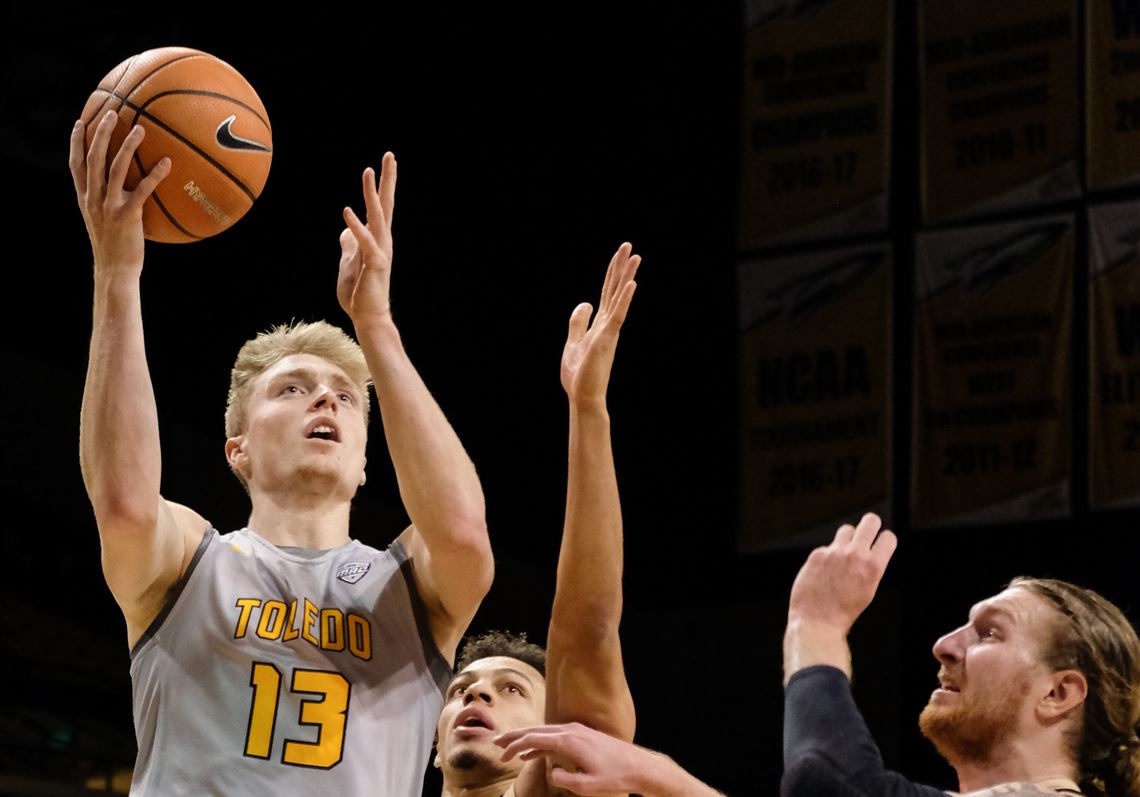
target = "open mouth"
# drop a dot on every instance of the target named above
(473, 719)
(323, 431)
(945, 683)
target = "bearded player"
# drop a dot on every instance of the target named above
(1039, 694)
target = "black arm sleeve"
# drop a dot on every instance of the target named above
(828, 751)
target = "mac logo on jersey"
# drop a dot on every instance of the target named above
(351, 572)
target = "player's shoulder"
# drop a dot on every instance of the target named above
(189, 522)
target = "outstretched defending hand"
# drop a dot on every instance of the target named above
(835, 585)
(112, 214)
(589, 351)
(838, 581)
(366, 249)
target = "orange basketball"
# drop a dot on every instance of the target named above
(204, 115)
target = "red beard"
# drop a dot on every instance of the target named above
(971, 728)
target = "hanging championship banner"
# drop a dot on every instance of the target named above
(1112, 99)
(1114, 341)
(993, 351)
(815, 401)
(999, 105)
(816, 127)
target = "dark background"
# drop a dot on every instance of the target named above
(530, 145)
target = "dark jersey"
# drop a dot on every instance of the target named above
(829, 752)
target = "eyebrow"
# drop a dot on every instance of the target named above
(519, 673)
(992, 609)
(465, 677)
(307, 373)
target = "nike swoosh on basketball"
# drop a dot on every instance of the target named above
(228, 140)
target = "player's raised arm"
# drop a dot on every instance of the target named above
(834, 586)
(585, 678)
(144, 539)
(447, 541)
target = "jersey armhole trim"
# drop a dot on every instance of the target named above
(437, 664)
(208, 534)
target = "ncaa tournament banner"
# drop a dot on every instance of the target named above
(991, 427)
(816, 127)
(815, 401)
(1112, 99)
(1114, 341)
(999, 105)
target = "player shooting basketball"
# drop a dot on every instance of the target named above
(285, 657)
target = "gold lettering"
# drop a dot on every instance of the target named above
(332, 629)
(272, 620)
(359, 637)
(291, 633)
(307, 621)
(247, 605)
(327, 629)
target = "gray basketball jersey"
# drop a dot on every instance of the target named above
(275, 671)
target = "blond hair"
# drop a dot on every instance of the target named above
(318, 338)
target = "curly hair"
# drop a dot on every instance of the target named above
(502, 643)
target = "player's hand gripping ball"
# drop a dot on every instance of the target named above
(201, 113)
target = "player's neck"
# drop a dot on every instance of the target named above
(1016, 764)
(495, 788)
(317, 525)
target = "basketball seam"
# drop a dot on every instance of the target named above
(204, 93)
(159, 68)
(139, 111)
(111, 93)
(162, 207)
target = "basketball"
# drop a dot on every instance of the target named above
(201, 113)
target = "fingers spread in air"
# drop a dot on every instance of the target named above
(621, 307)
(377, 222)
(611, 274)
(360, 232)
(617, 291)
(387, 189)
(579, 322)
(884, 547)
(347, 242)
(844, 534)
(868, 527)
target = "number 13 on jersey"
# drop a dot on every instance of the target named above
(327, 711)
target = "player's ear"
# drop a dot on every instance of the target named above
(1069, 690)
(235, 454)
